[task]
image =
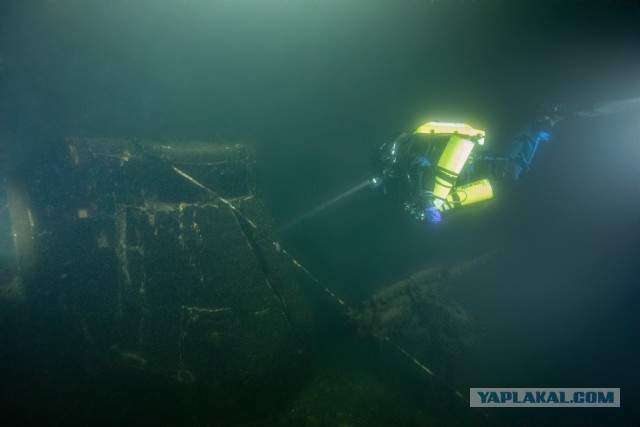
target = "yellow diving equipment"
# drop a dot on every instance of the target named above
(453, 158)
(463, 139)
(452, 128)
(468, 194)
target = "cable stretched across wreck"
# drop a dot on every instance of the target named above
(410, 284)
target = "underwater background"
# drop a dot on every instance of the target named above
(314, 88)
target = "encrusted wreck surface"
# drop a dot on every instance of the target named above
(419, 315)
(156, 255)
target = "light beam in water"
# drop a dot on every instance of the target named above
(296, 221)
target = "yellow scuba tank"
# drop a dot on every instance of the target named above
(463, 138)
(468, 194)
(456, 152)
(453, 158)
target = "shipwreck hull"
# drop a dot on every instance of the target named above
(153, 256)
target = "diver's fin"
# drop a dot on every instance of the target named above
(559, 112)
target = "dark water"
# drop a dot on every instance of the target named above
(315, 88)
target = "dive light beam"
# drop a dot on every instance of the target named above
(316, 210)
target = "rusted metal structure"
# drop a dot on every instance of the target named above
(156, 256)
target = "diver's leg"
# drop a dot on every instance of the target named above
(524, 150)
(515, 164)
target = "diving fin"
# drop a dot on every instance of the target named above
(559, 112)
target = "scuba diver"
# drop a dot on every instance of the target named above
(442, 167)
